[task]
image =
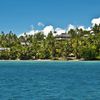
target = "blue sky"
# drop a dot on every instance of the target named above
(20, 15)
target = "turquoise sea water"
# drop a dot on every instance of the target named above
(49, 80)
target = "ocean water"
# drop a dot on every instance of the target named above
(49, 80)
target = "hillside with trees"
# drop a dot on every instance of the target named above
(74, 44)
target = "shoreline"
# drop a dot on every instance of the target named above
(49, 60)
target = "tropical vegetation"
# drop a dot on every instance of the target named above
(82, 44)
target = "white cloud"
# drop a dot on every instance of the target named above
(40, 24)
(88, 29)
(95, 21)
(81, 27)
(59, 31)
(70, 26)
(32, 32)
(48, 29)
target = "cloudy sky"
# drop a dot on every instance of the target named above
(34, 15)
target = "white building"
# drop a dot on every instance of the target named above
(3, 49)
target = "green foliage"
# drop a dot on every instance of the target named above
(89, 53)
(82, 44)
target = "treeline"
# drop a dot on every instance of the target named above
(82, 44)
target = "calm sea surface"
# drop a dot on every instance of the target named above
(49, 80)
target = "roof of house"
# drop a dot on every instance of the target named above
(63, 35)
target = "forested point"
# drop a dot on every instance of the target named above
(74, 44)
